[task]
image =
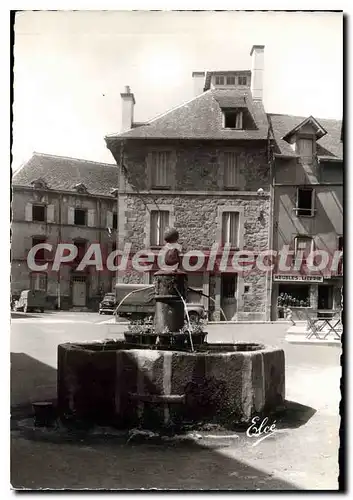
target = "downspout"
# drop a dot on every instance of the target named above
(269, 277)
(58, 286)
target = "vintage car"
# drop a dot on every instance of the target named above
(31, 300)
(108, 304)
(141, 303)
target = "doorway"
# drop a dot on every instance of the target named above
(325, 299)
(79, 291)
(228, 295)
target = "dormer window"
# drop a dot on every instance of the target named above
(220, 80)
(39, 184)
(242, 80)
(230, 80)
(233, 119)
(80, 188)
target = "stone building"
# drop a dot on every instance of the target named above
(308, 209)
(63, 200)
(204, 168)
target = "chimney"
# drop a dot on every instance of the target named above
(257, 71)
(127, 109)
(199, 82)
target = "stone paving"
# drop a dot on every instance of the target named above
(303, 455)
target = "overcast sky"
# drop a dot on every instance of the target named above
(70, 68)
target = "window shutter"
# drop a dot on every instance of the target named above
(50, 213)
(28, 212)
(231, 169)
(90, 217)
(154, 228)
(109, 219)
(71, 215)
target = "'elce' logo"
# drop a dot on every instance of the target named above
(260, 431)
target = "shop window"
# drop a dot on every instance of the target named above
(294, 295)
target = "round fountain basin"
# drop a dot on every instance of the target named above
(118, 384)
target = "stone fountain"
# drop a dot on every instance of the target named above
(176, 378)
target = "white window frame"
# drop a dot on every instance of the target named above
(219, 234)
(158, 236)
(246, 80)
(226, 241)
(229, 77)
(313, 196)
(219, 76)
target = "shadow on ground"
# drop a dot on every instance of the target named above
(81, 460)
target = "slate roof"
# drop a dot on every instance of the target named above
(329, 145)
(63, 174)
(201, 118)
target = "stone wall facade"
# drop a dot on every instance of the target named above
(196, 199)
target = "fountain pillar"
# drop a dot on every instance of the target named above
(170, 288)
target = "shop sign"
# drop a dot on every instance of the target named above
(295, 278)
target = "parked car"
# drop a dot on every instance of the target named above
(141, 303)
(31, 300)
(108, 304)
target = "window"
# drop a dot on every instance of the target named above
(38, 213)
(219, 80)
(303, 247)
(80, 217)
(81, 250)
(233, 119)
(242, 80)
(115, 220)
(228, 286)
(305, 202)
(230, 228)
(39, 281)
(159, 223)
(230, 80)
(160, 166)
(306, 148)
(340, 243)
(231, 170)
(294, 295)
(40, 255)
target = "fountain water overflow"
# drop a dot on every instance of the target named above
(168, 375)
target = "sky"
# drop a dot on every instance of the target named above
(70, 68)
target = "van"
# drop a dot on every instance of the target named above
(141, 303)
(31, 300)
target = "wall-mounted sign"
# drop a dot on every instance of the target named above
(310, 279)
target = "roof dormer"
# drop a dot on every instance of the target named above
(309, 126)
(80, 188)
(227, 79)
(39, 184)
